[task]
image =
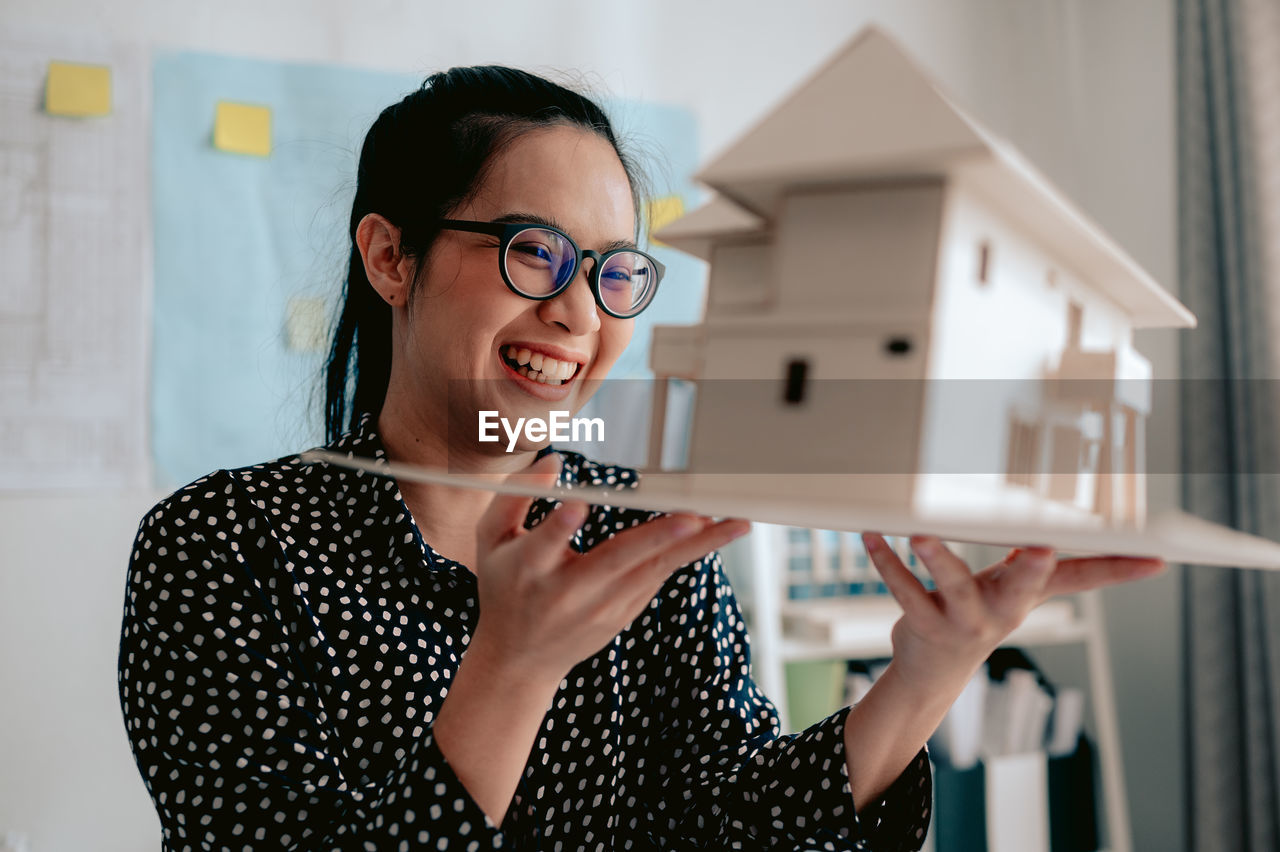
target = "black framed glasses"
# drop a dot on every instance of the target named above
(540, 262)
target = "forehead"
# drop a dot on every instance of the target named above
(568, 175)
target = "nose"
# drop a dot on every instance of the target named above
(575, 309)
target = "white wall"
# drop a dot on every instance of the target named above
(67, 779)
(1084, 88)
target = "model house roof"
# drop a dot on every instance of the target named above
(717, 221)
(872, 113)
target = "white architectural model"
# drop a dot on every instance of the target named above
(908, 330)
(867, 229)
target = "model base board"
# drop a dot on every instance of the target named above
(1173, 536)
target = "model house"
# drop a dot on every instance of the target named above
(899, 297)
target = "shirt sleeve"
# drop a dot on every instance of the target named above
(730, 779)
(230, 733)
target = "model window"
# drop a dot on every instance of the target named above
(1024, 453)
(797, 373)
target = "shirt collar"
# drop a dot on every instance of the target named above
(375, 501)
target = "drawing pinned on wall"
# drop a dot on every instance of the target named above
(73, 234)
(77, 90)
(242, 128)
(306, 324)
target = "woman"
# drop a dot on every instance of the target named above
(292, 666)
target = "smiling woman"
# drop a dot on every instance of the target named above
(313, 658)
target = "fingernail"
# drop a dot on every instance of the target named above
(571, 514)
(924, 546)
(686, 526)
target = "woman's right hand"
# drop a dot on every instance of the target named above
(545, 607)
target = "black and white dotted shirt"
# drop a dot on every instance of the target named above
(289, 637)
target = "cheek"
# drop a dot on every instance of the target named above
(614, 337)
(471, 314)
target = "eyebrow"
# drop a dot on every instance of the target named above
(518, 218)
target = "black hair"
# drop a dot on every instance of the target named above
(421, 159)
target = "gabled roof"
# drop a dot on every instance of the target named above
(868, 111)
(873, 113)
(716, 221)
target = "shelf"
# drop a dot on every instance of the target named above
(860, 627)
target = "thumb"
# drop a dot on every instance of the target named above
(504, 519)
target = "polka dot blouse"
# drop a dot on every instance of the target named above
(288, 639)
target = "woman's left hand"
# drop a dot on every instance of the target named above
(946, 633)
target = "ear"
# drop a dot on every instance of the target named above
(388, 269)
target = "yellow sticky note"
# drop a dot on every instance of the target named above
(79, 90)
(305, 324)
(663, 211)
(242, 128)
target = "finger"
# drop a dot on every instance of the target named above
(1026, 572)
(905, 587)
(683, 551)
(950, 574)
(641, 582)
(712, 538)
(547, 544)
(1079, 575)
(504, 519)
(644, 542)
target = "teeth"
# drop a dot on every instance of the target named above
(539, 367)
(535, 376)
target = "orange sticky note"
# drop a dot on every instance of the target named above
(242, 128)
(663, 211)
(78, 90)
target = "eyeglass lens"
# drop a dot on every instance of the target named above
(626, 280)
(541, 262)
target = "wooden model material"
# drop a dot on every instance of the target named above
(901, 242)
(916, 331)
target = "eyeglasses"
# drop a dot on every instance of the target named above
(540, 262)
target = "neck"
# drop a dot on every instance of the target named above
(446, 516)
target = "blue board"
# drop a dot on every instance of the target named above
(237, 237)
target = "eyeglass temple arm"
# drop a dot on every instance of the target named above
(494, 228)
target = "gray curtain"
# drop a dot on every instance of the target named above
(1229, 196)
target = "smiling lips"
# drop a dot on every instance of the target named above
(540, 368)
